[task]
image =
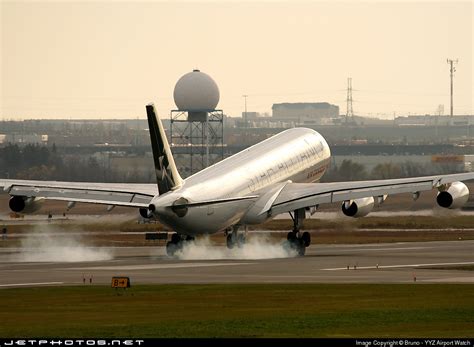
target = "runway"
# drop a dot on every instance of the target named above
(366, 263)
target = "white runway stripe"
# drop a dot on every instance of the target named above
(382, 249)
(397, 266)
(30, 284)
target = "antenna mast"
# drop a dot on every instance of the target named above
(349, 111)
(452, 70)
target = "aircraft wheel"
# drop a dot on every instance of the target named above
(306, 237)
(175, 238)
(301, 248)
(240, 240)
(230, 242)
(171, 248)
(298, 245)
(291, 236)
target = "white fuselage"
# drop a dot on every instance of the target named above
(298, 155)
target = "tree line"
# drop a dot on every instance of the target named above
(350, 170)
(39, 162)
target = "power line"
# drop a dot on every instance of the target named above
(245, 114)
(349, 110)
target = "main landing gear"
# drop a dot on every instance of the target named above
(235, 238)
(177, 242)
(297, 240)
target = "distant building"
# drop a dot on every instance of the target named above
(24, 138)
(251, 115)
(430, 120)
(305, 112)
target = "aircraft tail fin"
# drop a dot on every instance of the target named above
(167, 175)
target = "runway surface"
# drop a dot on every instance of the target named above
(368, 263)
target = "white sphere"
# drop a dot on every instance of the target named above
(196, 91)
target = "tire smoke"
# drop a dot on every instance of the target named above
(45, 246)
(256, 247)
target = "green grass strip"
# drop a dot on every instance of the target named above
(241, 310)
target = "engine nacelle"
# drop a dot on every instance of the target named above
(25, 204)
(454, 197)
(358, 207)
(145, 213)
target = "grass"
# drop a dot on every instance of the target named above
(343, 223)
(396, 222)
(257, 310)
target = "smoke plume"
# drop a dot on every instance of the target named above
(256, 247)
(46, 246)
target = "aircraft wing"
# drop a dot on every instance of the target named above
(301, 195)
(119, 194)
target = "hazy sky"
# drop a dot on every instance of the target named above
(107, 59)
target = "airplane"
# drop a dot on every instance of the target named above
(278, 175)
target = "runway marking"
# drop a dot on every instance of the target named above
(382, 249)
(159, 266)
(407, 244)
(17, 263)
(30, 284)
(397, 266)
(451, 280)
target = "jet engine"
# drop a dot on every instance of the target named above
(25, 204)
(358, 207)
(145, 213)
(455, 196)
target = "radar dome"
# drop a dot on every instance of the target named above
(196, 91)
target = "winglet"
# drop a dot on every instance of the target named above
(167, 175)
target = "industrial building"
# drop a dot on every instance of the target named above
(435, 120)
(305, 112)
